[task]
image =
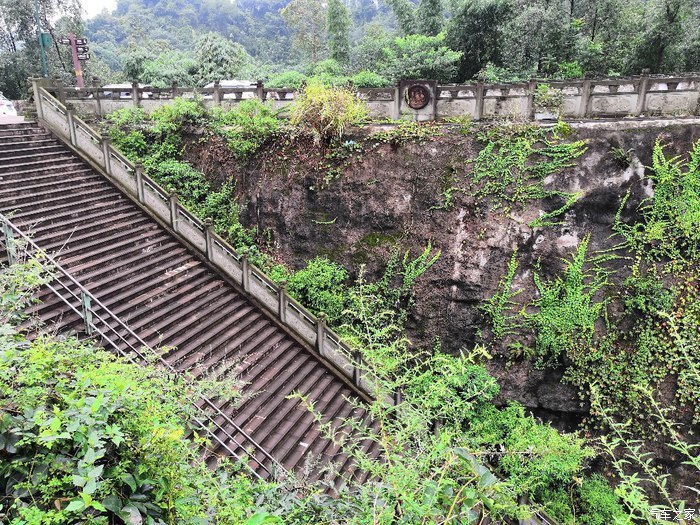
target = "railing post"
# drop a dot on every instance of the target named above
(584, 103)
(479, 101)
(208, 240)
(173, 89)
(10, 245)
(260, 90)
(106, 141)
(87, 313)
(37, 97)
(173, 201)
(283, 299)
(97, 96)
(70, 114)
(396, 108)
(531, 88)
(321, 333)
(217, 93)
(135, 93)
(642, 93)
(59, 90)
(357, 357)
(140, 190)
(245, 267)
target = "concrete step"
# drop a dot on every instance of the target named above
(167, 295)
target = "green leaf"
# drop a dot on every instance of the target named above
(75, 506)
(262, 518)
(129, 480)
(96, 472)
(79, 481)
(113, 503)
(131, 515)
(90, 487)
(98, 506)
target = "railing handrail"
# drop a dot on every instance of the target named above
(134, 174)
(56, 266)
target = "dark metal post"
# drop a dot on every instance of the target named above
(77, 65)
(44, 64)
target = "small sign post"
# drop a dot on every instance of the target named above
(79, 50)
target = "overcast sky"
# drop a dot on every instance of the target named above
(93, 7)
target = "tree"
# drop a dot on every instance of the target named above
(307, 20)
(420, 56)
(218, 58)
(171, 66)
(134, 62)
(19, 46)
(429, 17)
(658, 45)
(339, 31)
(476, 31)
(538, 38)
(368, 54)
(405, 15)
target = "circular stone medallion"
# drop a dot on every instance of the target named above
(417, 97)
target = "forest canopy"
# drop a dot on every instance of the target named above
(199, 41)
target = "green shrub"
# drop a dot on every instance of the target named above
(566, 309)
(369, 79)
(127, 117)
(328, 67)
(321, 287)
(327, 112)
(510, 169)
(598, 504)
(548, 98)
(535, 457)
(87, 438)
(492, 73)
(452, 388)
(246, 127)
(567, 70)
(133, 144)
(179, 112)
(669, 228)
(181, 177)
(287, 79)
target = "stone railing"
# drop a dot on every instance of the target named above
(648, 95)
(164, 206)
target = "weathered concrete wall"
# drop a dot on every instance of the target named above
(392, 195)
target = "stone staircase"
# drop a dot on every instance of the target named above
(173, 299)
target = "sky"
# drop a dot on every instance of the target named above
(93, 7)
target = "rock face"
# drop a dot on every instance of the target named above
(392, 196)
